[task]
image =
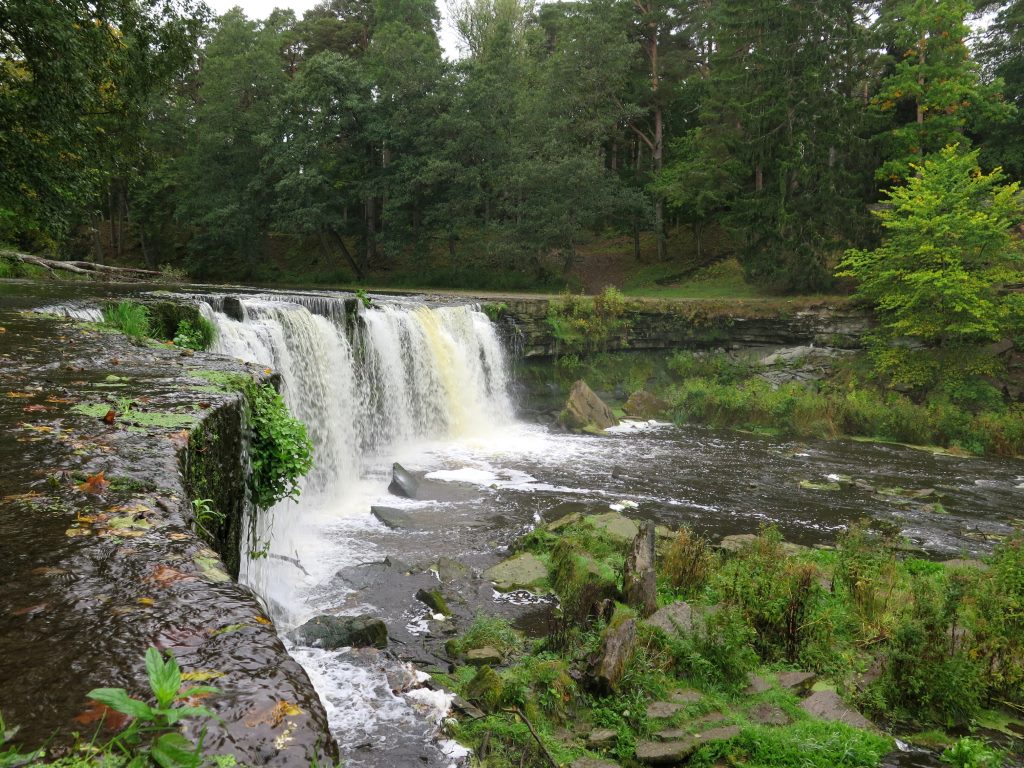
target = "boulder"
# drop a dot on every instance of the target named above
(331, 632)
(616, 651)
(756, 684)
(586, 409)
(644, 405)
(640, 583)
(520, 572)
(827, 705)
(686, 696)
(402, 482)
(738, 541)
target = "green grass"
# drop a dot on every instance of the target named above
(129, 317)
(722, 280)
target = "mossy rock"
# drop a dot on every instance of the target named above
(525, 571)
(434, 600)
(486, 689)
(615, 525)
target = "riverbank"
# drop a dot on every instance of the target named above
(99, 551)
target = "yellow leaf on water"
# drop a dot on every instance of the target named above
(200, 675)
(147, 601)
(77, 532)
(21, 394)
(263, 620)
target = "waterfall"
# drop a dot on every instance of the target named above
(366, 382)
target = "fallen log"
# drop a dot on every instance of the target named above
(82, 267)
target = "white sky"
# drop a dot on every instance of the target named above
(260, 9)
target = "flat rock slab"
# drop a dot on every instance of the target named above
(519, 572)
(615, 525)
(590, 762)
(660, 710)
(827, 705)
(602, 738)
(686, 696)
(486, 656)
(678, 751)
(797, 681)
(756, 684)
(769, 714)
(738, 541)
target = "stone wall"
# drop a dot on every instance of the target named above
(695, 324)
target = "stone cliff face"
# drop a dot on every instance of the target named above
(107, 445)
(696, 324)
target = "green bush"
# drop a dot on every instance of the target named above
(718, 655)
(280, 451)
(971, 753)
(198, 334)
(129, 317)
(688, 562)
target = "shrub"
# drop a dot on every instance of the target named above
(128, 317)
(718, 655)
(197, 334)
(490, 631)
(688, 562)
(280, 451)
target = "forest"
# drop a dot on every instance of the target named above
(150, 132)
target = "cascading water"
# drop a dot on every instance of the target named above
(370, 384)
(364, 384)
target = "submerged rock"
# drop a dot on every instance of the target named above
(827, 705)
(520, 572)
(402, 482)
(644, 405)
(586, 409)
(331, 632)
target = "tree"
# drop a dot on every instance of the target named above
(937, 277)
(934, 91)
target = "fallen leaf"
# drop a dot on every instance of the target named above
(30, 610)
(109, 417)
(164, 575)
(263, 620)
(55, 399)
(21, 394)
(273, 716)
(95, 483)
(35, 408)
(147, 601)
(77, 532)
(23, 496)
(95, 712)
(199, 675)
(36, 427)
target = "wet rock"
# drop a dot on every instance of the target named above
(644, 405)
(412, 520)
(797, 681)
(331, 632)
(520, 572)
(616, 651)
(601, 738)
(615, 525)
(434, 600)
(661, 710)
(586, 409)
(233, 308)
(768, 714)
(639, 581)
(402, 482)
(449, 570)
(827, 705)
(711, 718)
(486, 688)
(483, 657)
(678, 751)
(463, 707)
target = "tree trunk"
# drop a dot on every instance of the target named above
(352, 262)
(639, 582)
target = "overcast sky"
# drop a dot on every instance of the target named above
(260, 9)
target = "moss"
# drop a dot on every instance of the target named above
(223, 381)
(132, 417)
